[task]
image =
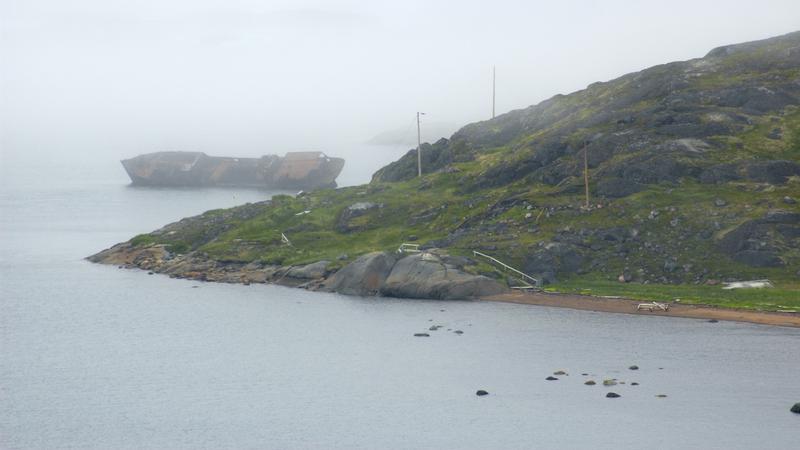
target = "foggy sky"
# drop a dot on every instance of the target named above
(245, 77)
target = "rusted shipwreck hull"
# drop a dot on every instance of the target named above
(296, 170)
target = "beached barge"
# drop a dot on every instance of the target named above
(295, 170)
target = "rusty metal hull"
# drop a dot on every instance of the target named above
(295, 170)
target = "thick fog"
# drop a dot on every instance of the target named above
(111, 78)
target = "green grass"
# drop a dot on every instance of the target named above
(782, 297)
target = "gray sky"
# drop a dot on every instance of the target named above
(247, 77)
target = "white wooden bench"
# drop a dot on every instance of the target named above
(652, 306)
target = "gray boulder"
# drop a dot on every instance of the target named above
(796, 408)
(312, 271)
(364, 276)
(425, 275)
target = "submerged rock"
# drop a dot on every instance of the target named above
(421, 335)
(551, 379)
(613, 395)
(590, 383)
(481, 393)
(634, 367)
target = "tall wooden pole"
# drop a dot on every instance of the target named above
(494, 88)
(419, 149)
(586, 171)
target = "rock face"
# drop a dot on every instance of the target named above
(345, 221)
(552, 259)
(758, 243)
(423, 275)
(426, 275)
(312, 271)
(364, 276)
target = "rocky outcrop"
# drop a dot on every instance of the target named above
(312, 271)
(551, 259)
(344, 222)
(426, 275)
(364, 276)
(423, 275)
(758, 243)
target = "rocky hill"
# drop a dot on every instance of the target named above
(694, 177)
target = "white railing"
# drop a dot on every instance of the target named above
(525, 277)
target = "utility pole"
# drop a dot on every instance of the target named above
(419, 147)
(586, 171)
(494, 88)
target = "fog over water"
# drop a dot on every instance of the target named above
(113, 78)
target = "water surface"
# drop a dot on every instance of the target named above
(97, 357)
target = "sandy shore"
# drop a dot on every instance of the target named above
(625, 306)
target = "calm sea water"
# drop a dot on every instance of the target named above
(97, 357)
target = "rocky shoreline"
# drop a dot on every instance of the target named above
(427, 275)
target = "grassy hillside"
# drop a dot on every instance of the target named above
(694, 178)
